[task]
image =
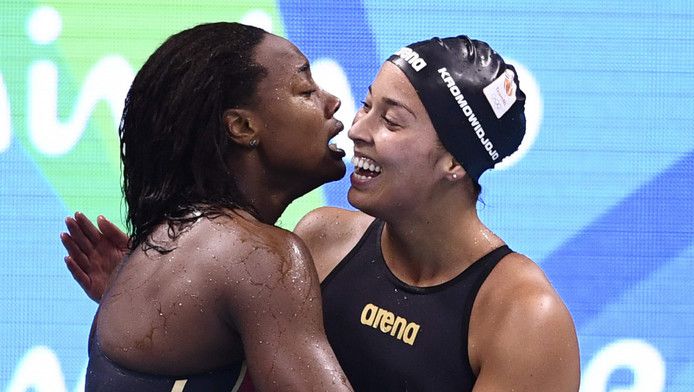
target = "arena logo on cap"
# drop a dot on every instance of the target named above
(412, 58)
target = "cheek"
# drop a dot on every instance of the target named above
(293, 119)
(308, 115)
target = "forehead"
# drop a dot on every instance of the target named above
(391, 83)
(280, 58)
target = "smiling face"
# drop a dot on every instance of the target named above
(294, 118)
(398, 157)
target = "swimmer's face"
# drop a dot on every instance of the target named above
(295, 118)
(393, 134)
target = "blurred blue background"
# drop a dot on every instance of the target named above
(600, 195)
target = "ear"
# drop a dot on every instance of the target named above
(240, 126)
(454, 170)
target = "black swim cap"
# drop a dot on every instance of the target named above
(472, 96)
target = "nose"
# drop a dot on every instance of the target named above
(332, 104)
(358, 132)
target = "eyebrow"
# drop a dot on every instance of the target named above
(396, 103)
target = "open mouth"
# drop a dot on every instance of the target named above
(336, 151)
(365, 168)
(332, 146)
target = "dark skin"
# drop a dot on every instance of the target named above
(235, 287)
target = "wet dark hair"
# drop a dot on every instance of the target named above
(175, 147)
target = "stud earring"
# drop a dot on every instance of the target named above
(253, 143)
(455, 176)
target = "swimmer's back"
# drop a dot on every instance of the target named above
(170, 313)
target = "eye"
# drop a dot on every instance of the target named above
(365, 106)
(309, 93)
(390, 123)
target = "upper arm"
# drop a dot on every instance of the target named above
(276, 308)
(532, 346)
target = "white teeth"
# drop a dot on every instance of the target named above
(365, 164)
(334, 147)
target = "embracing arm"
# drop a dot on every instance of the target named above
(276, 308)
(93, 253)
(531, 344)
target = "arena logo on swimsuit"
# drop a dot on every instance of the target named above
(412, 58)
(388, 322)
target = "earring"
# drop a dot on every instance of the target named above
(253, 143)
(455, 176)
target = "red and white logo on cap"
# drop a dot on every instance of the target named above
(501, 93)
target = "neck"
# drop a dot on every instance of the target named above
(269, 196)
(433, 245)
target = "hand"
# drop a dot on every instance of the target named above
(93, 254)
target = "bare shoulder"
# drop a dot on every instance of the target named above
(330, 233)
(246, 245)
(255, 264)
(521, 332)
(270, 290)
(330, 222)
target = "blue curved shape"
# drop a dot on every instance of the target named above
(626, 244)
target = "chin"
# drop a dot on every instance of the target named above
(358, 201)
(336, 173)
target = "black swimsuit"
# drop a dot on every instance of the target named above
(390, 336)
(104, 375)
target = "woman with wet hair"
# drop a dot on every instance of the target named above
(217, 138)
(418, 294)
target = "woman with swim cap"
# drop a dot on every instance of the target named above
(217, 138)
(425, 296)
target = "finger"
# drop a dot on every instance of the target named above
(69, 244)
(88, 227)
(78, 274)
(77, 235)
(75, 252)
(112, 232)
